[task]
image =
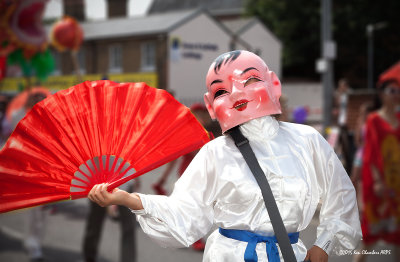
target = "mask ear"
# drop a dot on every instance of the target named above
(209, 107)
(276, 84)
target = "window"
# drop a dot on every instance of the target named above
(115, 59)
(148, 56)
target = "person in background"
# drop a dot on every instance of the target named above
(37, 216)
(218, 189)
(345, 143)
(95, 222)
(9, 125)
(360, 131)
(381, 172)
(201, 114)
(94, 226)
(341, 101)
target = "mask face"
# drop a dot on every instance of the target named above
(240, 88)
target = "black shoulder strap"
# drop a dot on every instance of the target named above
(277, 224)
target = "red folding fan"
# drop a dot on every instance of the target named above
(92, 133)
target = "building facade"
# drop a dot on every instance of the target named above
(169, 50)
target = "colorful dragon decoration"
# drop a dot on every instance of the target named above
(23, 39)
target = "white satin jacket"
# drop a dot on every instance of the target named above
(219, 190)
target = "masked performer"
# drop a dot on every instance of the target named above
(218, 188)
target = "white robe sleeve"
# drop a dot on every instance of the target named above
(339, 227)
(187, 215)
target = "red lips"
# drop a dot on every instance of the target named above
(240, 105)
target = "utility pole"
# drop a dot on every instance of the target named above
(325, 63)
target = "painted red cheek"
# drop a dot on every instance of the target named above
(276, 83)
(262, 95)
(222, 117)
(230, 77)
(221, 114)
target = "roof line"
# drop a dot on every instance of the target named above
(247, 26)
(155, 32)
(194, 14)
(205, 11)
(219, 24)
(233, 36)
(253, 21)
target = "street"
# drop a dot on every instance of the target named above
(64, 233)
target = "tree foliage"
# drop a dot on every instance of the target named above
(297, 24)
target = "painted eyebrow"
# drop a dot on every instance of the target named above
(216, 82)
(248, 69)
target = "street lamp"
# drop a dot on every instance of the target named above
(370, 34)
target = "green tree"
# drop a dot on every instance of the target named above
(297, 24)
(350, 21)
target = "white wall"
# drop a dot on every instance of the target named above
(300, 94)
(201, 40)
(259, 37)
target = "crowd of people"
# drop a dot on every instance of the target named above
(371, 153)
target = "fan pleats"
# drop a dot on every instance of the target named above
(93, 133)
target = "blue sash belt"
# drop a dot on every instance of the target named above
(250, 255)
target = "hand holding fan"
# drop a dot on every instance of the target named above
(92, 133)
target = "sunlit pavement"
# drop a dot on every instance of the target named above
(64, 233)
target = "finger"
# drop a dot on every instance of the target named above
(98, 196)
(104, 193)
(101, 193)
(115, 189)
(92, 193)
(95, 196)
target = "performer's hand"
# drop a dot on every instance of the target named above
(316, 254)
(102, 197)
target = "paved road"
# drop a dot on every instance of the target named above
(64, 231)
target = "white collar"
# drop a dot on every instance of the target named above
(260, 129)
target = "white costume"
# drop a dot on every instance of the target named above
(218, 189)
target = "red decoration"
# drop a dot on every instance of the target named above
(2, 67)
(66, 34)
(92, 133)
(21, 27)
(393, 73)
